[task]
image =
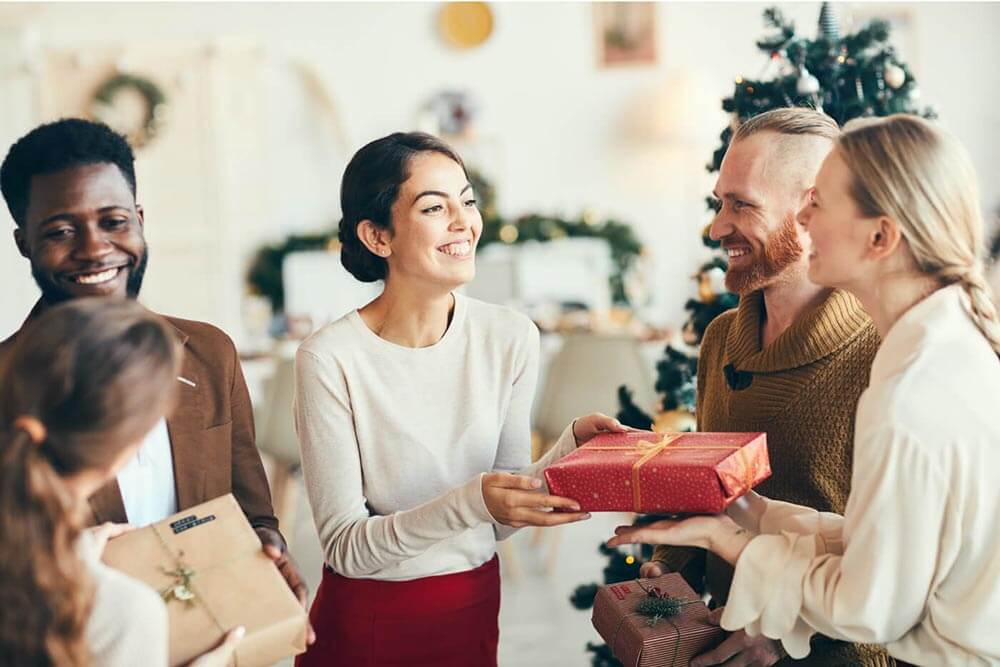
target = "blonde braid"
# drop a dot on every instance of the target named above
(984, 312)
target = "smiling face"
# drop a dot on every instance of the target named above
(436, 224)
(840, 233)
(758, 198)
(83, 234)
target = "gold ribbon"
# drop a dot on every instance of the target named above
(649, 450)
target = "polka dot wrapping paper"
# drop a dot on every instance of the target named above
(662, 473)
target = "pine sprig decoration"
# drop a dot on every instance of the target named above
(656, 608)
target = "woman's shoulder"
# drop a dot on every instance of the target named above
(497, 316)
(333, 336)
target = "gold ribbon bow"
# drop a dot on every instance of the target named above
(649, 450)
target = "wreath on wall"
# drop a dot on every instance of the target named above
(105, 106)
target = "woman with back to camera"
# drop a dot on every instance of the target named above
(79, 391)
(912, 564)
(410, 413)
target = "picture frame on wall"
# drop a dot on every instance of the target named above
(625, 33)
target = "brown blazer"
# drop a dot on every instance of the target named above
(211, 431)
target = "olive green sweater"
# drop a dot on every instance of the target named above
(802, 390)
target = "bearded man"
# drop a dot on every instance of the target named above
(791, 360)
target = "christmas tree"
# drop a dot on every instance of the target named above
(847, 77)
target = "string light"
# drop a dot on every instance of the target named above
(629, 560)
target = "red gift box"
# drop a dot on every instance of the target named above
(639, 640)
(642, 471)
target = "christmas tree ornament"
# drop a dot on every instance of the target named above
(675, 421)
(894, 76)
(828, 27)
(807, 84)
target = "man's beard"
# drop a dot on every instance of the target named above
(780, 252)
(52, 293)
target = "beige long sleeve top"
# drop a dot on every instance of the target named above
(914, 562)
(395, 440)
(128, 622)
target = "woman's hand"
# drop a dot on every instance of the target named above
(221, 655)
(719, 534)
(107, 531)
(515, 500)
(585, 428)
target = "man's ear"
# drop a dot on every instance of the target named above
(375, 238)
(141, 216)
(21, 243)
(884, 237)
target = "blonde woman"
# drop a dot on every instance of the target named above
(913, 563)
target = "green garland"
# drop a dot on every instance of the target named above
(155, 98)
(625, 246)
(264, 275)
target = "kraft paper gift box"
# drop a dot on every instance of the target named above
(669, 473)
(639, 638)
(208, 565)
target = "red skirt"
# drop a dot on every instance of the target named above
(445, 621)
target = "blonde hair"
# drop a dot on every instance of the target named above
(907, 169)
(790, 121)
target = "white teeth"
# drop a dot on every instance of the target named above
(737, 252)
(458, 249)
(95, 278)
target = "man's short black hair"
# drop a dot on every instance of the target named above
(53, 147)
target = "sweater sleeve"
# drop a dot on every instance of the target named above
(514, 450)
(789, 585)
(355, 543)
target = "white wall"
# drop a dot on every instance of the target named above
(558, 133)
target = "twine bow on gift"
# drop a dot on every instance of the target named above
(180, 589)
(646, 451)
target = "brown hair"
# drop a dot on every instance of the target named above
(905, 168)
(790, 121)
(97, 374)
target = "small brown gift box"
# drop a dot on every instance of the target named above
(208, 564)
(636, 640)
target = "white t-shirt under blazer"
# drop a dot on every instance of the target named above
(395, 440)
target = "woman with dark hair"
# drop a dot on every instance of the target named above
(79, 390)
(411, 413)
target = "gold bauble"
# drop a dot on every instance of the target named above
(466, 24)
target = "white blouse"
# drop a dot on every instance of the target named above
(914, 563)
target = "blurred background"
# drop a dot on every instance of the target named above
(588, 128)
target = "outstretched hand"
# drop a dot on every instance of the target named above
(719, 534)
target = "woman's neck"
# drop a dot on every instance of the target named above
(888, 297)
(409, 317)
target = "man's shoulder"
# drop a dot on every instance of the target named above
(202, 335)
(717, 329)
